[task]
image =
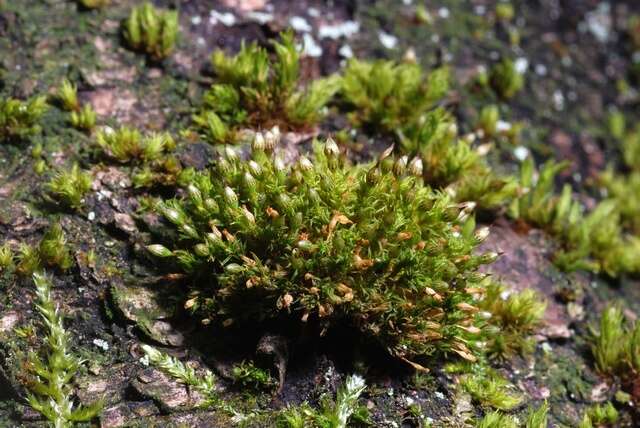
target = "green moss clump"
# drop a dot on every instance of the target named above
(452, 163)
(624, 188)
(338, 413)
(152, 31)
(514, 319)
(387, 96)
(325, 242)
(505, 80)
(488, 388)
(595, 241)
(535, 419)
(247, 374)
(150, 155)
(67, 96)
(19, 119)
(52, 251)
(127, 145)
(255, 90)
(83, 119)
(53, 248)
(616, 347)
(600, 415)
(68, 187)
(6, 258)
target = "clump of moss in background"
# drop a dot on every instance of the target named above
(624, 187)
(399, 99)
(152, 31)
(505, 79)
(128, 145)
(150, 155)
(84, 119)
(514, 318)
(594, 241)
(68, 187)
(388, 96)
(255, 90)
(600, 415)
(52, 252)
(536, 418)
(616, 346)
(81, 118)
(325, 241)
(19, 119)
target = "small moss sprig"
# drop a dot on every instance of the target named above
(128, 145)
(505, 79)
(53, 248)
(51, 390)
(52, 251)
(68, 187)
(152, 31)
(387, 96)
(255, 90)
(83, 119)
(204, 383)
(513, 319)
(19, 119)
(615, 345)
(67, 96)
(247, 374)
(326, 241)
(536, 418)
(600, 415)
(7, 262)
(333, 414)
(488, 388)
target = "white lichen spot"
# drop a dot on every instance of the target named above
(345, 51)
(259, 17)
(598, 22)
(558, 100)
(541, 70)
(503, 126)
(310, 47)
(444, 13)
(196, 20)
(387, 40)
(300, 24)
(521, 64)
(102, 344)
(336, 31)
(227, 19)
(521, 153)
(313, 12)
(91, 216)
